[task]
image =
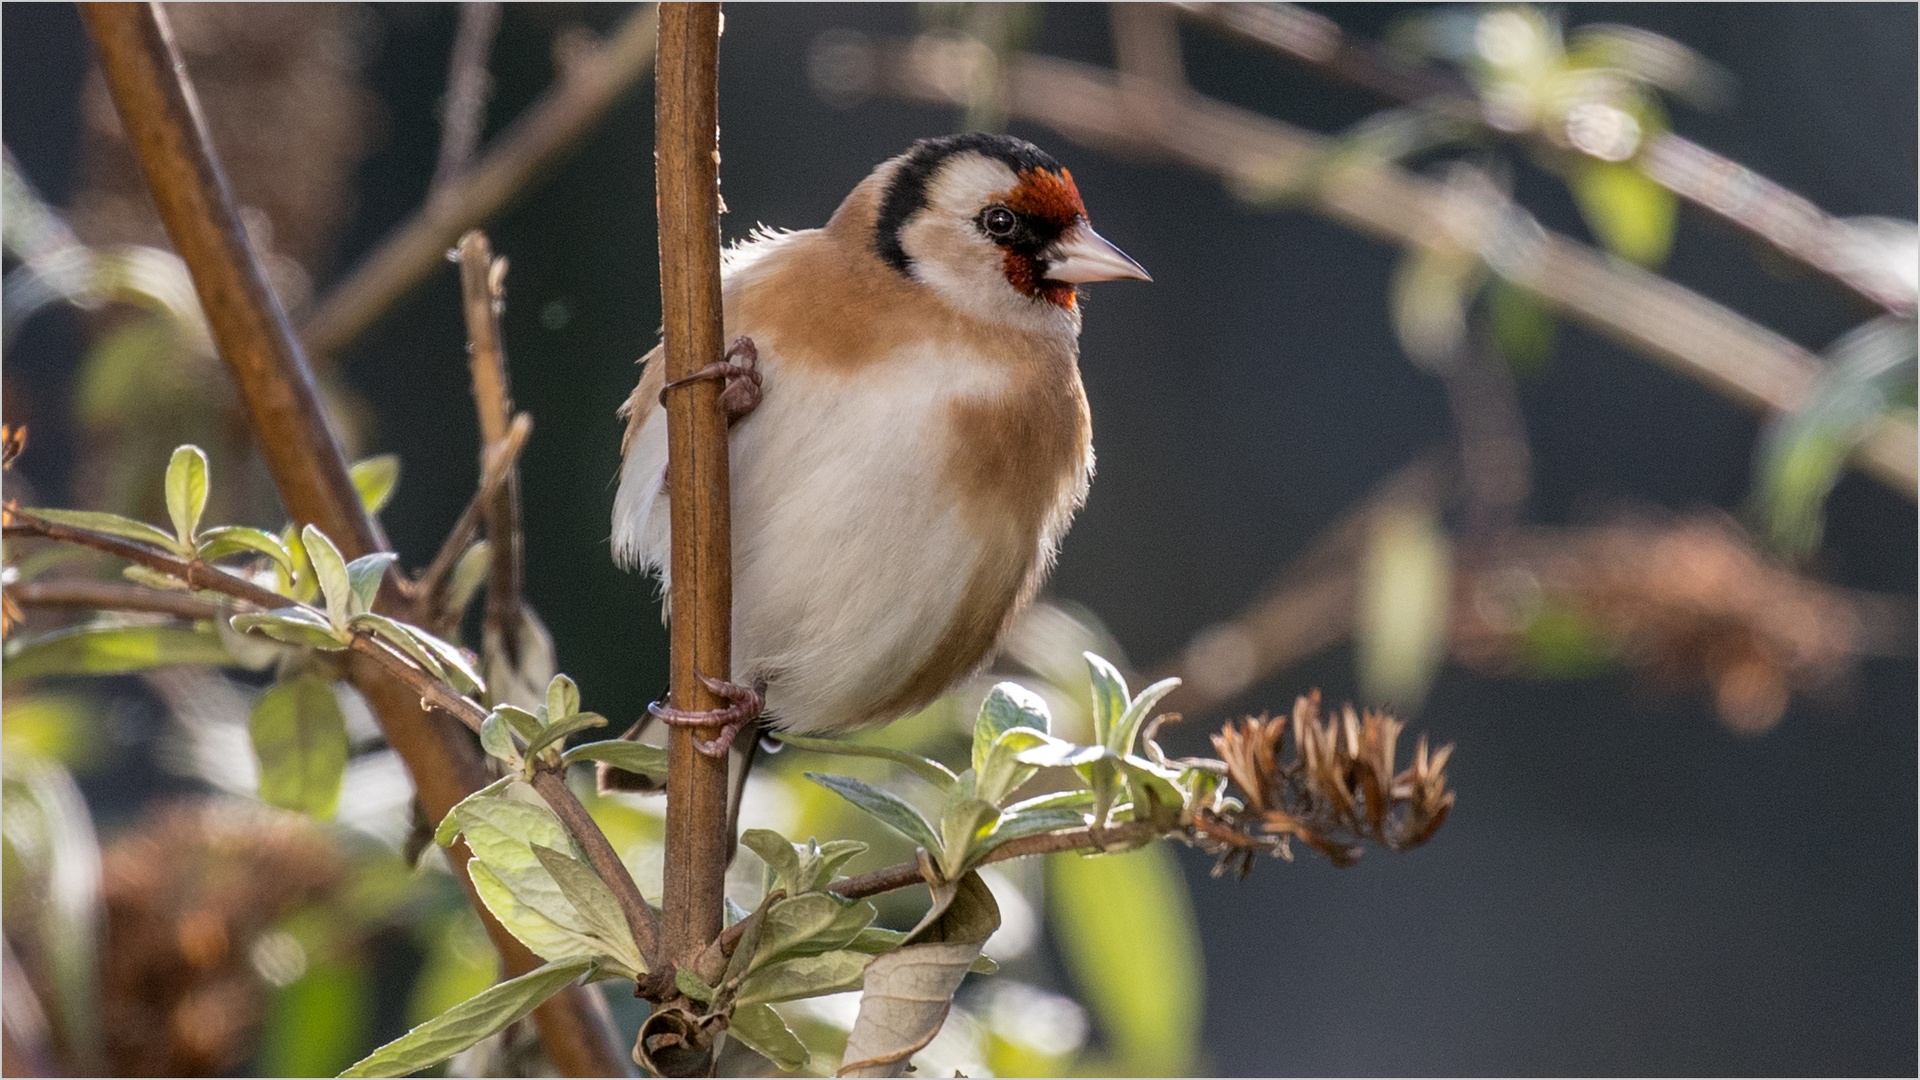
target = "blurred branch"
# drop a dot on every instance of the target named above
(110, 596)
(430, 587)
(588, 86)
(1268, 160)
(464, 110)
(162, 116)
(1711, 181)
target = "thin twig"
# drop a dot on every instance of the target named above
(687, 170)
(535, 140)
(110, 596)
(430, 587)
(1269, 159)
(1123, 834)
(1711, 181)
(482, 292)
(464, 110)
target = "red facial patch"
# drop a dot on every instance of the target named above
(1049, 198)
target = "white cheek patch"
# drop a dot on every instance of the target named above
(968, 183)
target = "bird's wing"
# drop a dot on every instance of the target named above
(638, 538)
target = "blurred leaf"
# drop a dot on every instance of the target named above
(363, 577)
(1126, 930)
(1427, 302)
(1630, 215)
(1522, 329)
(1802, 453)
(331, 570)
(1406, 591)
(111, 524)
(56, 726)
(762, 1030)
(886, 807)
(470, 1021)
(153, 579)
(300, 737)
(519, 678)
(186, 491)
(1076, 799)
(468, 575)
(374, 479)
(293, 625)
(316, 1023)
(112, 650)
(460, 962)
(633, 757)
(232, 539)
(50, 833)
(804, 976)
(924, 767)
(1560, 642)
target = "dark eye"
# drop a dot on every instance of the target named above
(998, 221)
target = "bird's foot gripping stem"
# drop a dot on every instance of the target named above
(743, 707)
(739, 371)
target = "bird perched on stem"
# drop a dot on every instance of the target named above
(910, 436)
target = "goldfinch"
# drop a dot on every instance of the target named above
(912, 438)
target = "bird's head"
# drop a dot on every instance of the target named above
(994, 225)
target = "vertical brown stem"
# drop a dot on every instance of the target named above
(480, 286)
(687, 170)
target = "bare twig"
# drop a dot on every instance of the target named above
(687, 107)
(482, 291)
(156, 103)
(1711, 181)
(464, 110)
(430, 587)
(1267, 158)
(110, 596)
(536, 139)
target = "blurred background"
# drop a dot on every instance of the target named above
(1439, 441)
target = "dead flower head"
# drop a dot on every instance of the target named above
(1338, 789)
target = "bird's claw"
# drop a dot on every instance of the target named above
(739, 370)
(743, 707)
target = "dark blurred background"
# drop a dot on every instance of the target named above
(1626, 885)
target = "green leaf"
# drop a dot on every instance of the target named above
(186, 492)
(1109, 698)
(450, 825)
(1151, 788)
(594, 901)
(763, 1032)
(1630, 214)
(113, 650)
(693, 986)
(1148, 998)
(315, 1024)
(233, 539)
(812, 922)
(331, 570)
(563, 699)
(470, 1021)
(374, 479)
(964, 820)
(300, 737)
(459, 669)
(293, 625)
(363, 577)
(777, 853)
(1129, 727)
(468, 575)
(804, 976)
(1028, 823)
(1072, 799)
(889, 809)
(496, 738)
(1406, 591)
(1007, 706)
(153, 579)
(1059, 752)
(633, 757)
(525, 724)
(111, 524)
(832, 856)
(553, 733)
(535, 927)
(875, 940)
(926, 768)
(1522, 328)
(398, 635)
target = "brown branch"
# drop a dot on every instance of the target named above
(147, 80)
(1711, 181)
(538, 138)
(641, 920)
(110, 596)
(1126, 833)
(464, 110)
(482, 291)
(430, 587)
(687, 107)
(1266, 158)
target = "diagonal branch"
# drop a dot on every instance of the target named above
(464, 110)
(538, 138)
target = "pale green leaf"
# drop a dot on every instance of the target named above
(779, 854)
(153, 579)
(1059, 752)
(1007, 706)
(233, 539)
(300, 739)
(186, 492)
(113, 650)
(812, 922)
(459, 669)
(468, 575)
(397, 635)
(553, 733)
(1012, 826)
(331, 570)
(111, 524)
(889, 809)
(563, 699)
(470, 1021)
(594, 901)
(534, 927)
(293, 625)
(633, 757)
(763, 1032)
(1109, 698)
(1151, 787)
(374, 480)
(926, 768)
(496, 738)
(1406, 591)
(1072, 799)
(363, 577)
(804, 976)
(1136, 715)
(693, 986)
(450, 825)
(963, 822)
(875, 940)
(525, 724)
(1630, 215)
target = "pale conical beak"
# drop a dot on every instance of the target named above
(1084, 255)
